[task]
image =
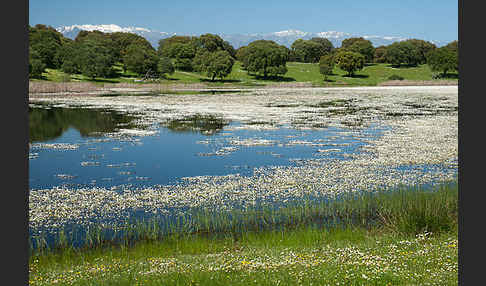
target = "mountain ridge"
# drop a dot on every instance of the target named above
(284, 37)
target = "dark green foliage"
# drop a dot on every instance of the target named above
(423, 48)
(453, 46)
(166, 45)
(140, 59)
(46, 42)
(183, 55)
(305, 51)
(350, 61)
(229, 48)
(94, 59)
(121, 41)
(395, 77)
(360, 45)
(181, 49)
(241, 53)
(346, 43)
(165, 66)
(442, 59)
(326, 47)
(68, 58)
(36, 66)
(266, 58)
(99, 38)
(402, 53)
(379, 55)
(214, 64)
(326, 65)
(219, 65)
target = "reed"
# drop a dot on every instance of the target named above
(407, 210)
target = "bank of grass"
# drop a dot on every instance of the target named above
(308, 73)
(401, 237)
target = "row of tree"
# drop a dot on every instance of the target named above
(94, 53)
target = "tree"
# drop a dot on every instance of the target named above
(183, 55)
(140, 59)
(350, 61)
(306, 51)
(68, 58)
(265, 58)
(454, 46)
(442, 59)
(99, 38)
(346, 43)
(165, 66)
(46, 42)
(423, 48)
(379, 55)
(36, 66)
(94, 59)
(325, 46)
(122, 40)
(214, 64)
(402, 52)
(359, 45)
(241, 53)
(326, 65)
(167, 45)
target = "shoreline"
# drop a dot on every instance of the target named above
(40, 88)
(156, 88)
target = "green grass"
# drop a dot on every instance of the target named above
(402, 237)
(370, 75)
(352, 256)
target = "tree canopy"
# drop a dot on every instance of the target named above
(350, 61)
(326, 65)
(359, 45)
(183, 49)
(423, 48)
(264, 57)
(46, 42)
(442, 59)
(165, 67)
(122, 40)
(95, 59)
(326, 47)
(402, 53)
(214, 64)
(310, 51)
(379, 55)
(140, 59)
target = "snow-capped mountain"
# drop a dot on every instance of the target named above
(152, 36)
(286, 37)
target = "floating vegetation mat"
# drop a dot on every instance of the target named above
(418, 147)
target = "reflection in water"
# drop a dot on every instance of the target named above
(205, 124)
(47, 124)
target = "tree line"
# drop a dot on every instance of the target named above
(94, 54)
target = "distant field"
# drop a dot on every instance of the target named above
(371, 75)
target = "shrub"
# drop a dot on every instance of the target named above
(395, 77)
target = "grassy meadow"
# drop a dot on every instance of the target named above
(406, 236)
(370, 75)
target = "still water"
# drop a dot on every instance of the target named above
(79, 147)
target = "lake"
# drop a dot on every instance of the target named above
(72, 147)
(105, 159)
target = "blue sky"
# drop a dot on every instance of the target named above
(424, 19)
